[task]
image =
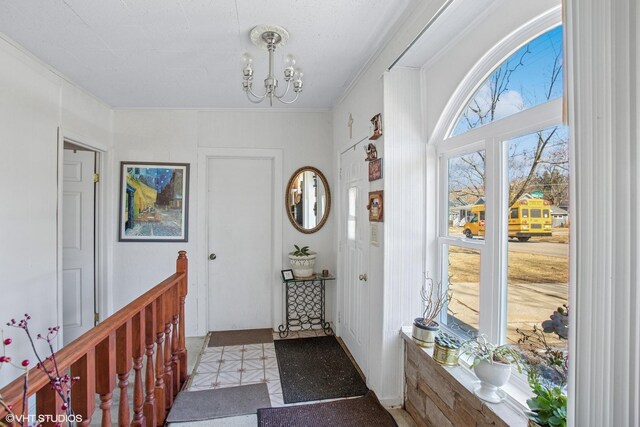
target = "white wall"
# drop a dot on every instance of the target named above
(177, 136)
(35, 102)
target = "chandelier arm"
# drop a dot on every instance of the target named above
(260, 97)
(258, 101)
(290, 102)
(285, 92)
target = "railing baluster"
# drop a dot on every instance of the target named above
(175, 361)
(168, 370)
(123, 367)
(105, 375)
(182, 267)
(138, 327)
(150, 411)
(160, 387)
(83, 396)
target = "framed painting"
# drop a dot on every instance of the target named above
(375, 206)
(154, 202)
(375, 169)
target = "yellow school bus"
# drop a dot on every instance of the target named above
(527, 218)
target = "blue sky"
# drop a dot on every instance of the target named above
(529, 83)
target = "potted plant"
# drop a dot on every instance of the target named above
(547, 363)
(492, 365)
(302, 262)
(548, 406)
(425, 328)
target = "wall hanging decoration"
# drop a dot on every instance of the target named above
(375, 169)
(372, 152)
(154, 202)
(375, 206)
(376, 122)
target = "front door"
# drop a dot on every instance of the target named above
(355, 255)
(240, 224)
(78, 248)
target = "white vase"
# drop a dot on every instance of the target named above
(302, 266)
(492, 376)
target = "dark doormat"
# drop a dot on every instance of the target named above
(315, 369)
(222, 402)
(361, 411)
(240, 337)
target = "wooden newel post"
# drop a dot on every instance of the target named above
(182, 266)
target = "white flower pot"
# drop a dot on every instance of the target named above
(492, 376)
(302, 266)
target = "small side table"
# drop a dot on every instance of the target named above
(304, 305)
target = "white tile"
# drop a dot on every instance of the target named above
(274, 387)
(232, 355)
(253, 354)
(230, 365)
(228, 378)
(270, 353)
(252, 376)
(210, 357)
(271, 363)
(268, 345)
(208, 367)
(253, 364)
(276, 400)
(233, 348)
(203, 380)
(253, 346)
(212, 350)
(272, 374)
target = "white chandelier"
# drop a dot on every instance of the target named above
(270, 37)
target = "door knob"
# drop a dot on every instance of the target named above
(363, 277)
(212, 256)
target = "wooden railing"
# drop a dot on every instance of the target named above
(151, 326)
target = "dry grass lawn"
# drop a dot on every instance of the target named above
(524, 268)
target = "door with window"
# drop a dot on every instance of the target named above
(354, 256)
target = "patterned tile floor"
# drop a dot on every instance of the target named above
(236, 365)
(229, 366)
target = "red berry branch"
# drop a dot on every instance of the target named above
(61, 384)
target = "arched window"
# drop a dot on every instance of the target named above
(503, 189)
(529, 77)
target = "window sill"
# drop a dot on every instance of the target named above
(511, 411)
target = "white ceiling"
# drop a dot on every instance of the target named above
(186, 53)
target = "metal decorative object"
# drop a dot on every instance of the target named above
(270, 37)
(446, 350)
(305, 306)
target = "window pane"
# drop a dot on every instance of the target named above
(351, 219)
(466, 195)
(464, 283)
(529, 77)
(538, 254)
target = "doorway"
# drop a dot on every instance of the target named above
(78, 240)
(354, 255)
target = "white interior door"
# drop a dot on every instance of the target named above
(355, 256)
(239, 217)
(78, 247)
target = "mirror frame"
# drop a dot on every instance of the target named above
(327, 191)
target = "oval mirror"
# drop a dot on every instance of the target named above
(308, 199)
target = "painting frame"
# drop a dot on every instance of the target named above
(375, 206)
(142, 218)
(287, 275)
(375, 169)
